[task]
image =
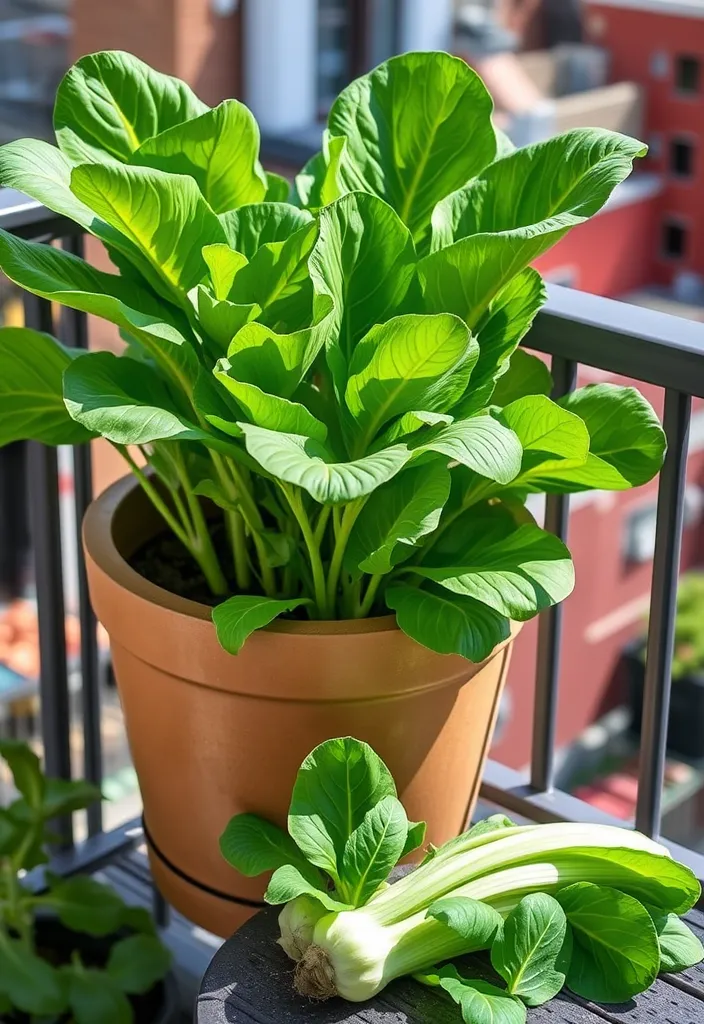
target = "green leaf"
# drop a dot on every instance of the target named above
(447, 623)
(506, 322)
(220, 319)
(482, 444)
(307, 463)
(253, 226)
(93, 997)
(475, 922)
(287, 883)
(163, 216)
(517, 571)
(31, 984)
(220, 149)
(318, 183)
(680, 948)
(276, 363)
(122, 400)
(239, 616)
(138, 919)
(137, 963)
(480, 1002)
(417, 127)
(109, 103)
(63, 796)
(31, 398)
(544, 428)
(26, 771)
(616, 953)
(409, 362)
(223, 263)
(278, 189)
(410, 423)
(336, 785)
(415, 837)
(253, 845)
(364, 261)
(396, 516)
(532, 953)
(372, 850)
(537, 193)
(494, 823)
(85, 905)
(526, 375)
(269, 411)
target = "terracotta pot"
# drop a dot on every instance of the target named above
(212, 735)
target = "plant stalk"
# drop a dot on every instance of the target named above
(316, 564)
(349, 517)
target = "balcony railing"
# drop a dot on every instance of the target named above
(574, 328)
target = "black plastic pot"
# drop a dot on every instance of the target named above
(56, 943)
(685, 731)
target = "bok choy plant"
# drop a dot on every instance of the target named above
(334, 373)
(593, 907)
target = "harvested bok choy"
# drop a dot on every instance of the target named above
(593, 907)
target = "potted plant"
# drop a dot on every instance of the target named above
(330, 427)
(72, 951)
(685, 730)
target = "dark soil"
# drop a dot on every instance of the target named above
(165, 562)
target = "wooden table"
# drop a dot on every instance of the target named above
(249, 982)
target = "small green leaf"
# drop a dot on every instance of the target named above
(493, 823)
(336, 785)
(372, 850)
(64, 797)
(415, 837)
(137, 963)
(26, 771)
(253, 845)
(278, 189)
(138, 919)
(221, 319)
(616, 953)
(448, 623)
(318, 184)
(86, 905)
(270, 411)
(396, 516)
(224, 264)
(532, 953)
(475, 922)
(253, 226)
(239, 616)
(483, 445)
(480, 1002)
(276, 363)
(307, 463)
(31, 983)
(287, 883)
(680, 948)
(94, 997)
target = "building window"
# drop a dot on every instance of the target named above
(674, 239)
(659, 65)
(687, 75)
(681, 158)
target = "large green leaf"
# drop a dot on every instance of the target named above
(482, 444)
(546, 430)
(253, 226)
(417, 127)
(253, 845)
(447, 623)
(372, 850)
(239, 616)
(516, 570)
(616, 953)
(526, 375)
(364, 261)
(498, 333)
(30, 982)
(85, 905)
(540, 191)
(163, 215)
(396, 516)
(123, 400)
(62, 277)
(409, 362)
(137, 963)
(287, 884)
(274, 362)
(267, 410)
(220, 149)
(337, 784)
(109, 103)
(31, 397)
(307, 463)
(532, 953)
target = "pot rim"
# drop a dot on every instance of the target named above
(99, 540)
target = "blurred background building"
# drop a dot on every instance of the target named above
(635, 66)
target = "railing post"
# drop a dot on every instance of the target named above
(663, 607)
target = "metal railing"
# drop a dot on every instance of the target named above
(573, 328)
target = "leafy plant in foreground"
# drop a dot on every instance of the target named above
(590, 907)
(338, 374)
(29, 983)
